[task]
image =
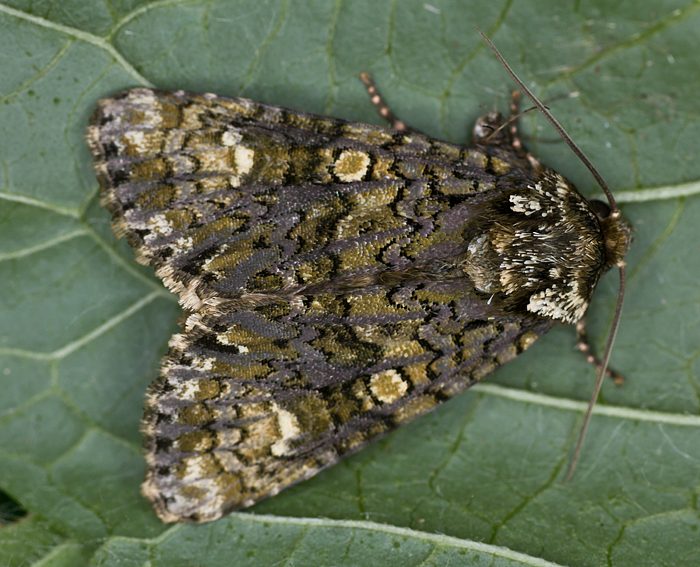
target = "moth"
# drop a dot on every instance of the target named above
(338, 279)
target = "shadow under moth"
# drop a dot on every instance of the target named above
(339, 279)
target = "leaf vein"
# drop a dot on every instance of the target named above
(77, 34)
(619, 412)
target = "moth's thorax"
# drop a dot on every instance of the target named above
(543, 251)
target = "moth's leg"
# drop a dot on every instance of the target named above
(584, 346)
(382, 107)
(514, 121)
(516, 114)
(492, 129)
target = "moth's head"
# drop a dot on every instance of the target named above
(617, 233)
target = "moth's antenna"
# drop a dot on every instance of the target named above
(614, 213)
(600, 378)
(565, 136)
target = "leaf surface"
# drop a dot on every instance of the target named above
(479, 481)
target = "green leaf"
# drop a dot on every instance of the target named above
(479, 481)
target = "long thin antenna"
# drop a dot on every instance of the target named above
(562, 132)
(600, 378)
(614, 213)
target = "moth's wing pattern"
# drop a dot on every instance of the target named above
(310, 253)
(189, 178)
(252, 400)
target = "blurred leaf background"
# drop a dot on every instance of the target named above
(82, 327)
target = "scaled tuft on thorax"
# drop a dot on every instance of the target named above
(544, 251)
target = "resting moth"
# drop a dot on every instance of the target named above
(339, 279)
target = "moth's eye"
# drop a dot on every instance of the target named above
(600, 208)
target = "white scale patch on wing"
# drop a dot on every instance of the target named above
(244, 163)
(288, 429)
